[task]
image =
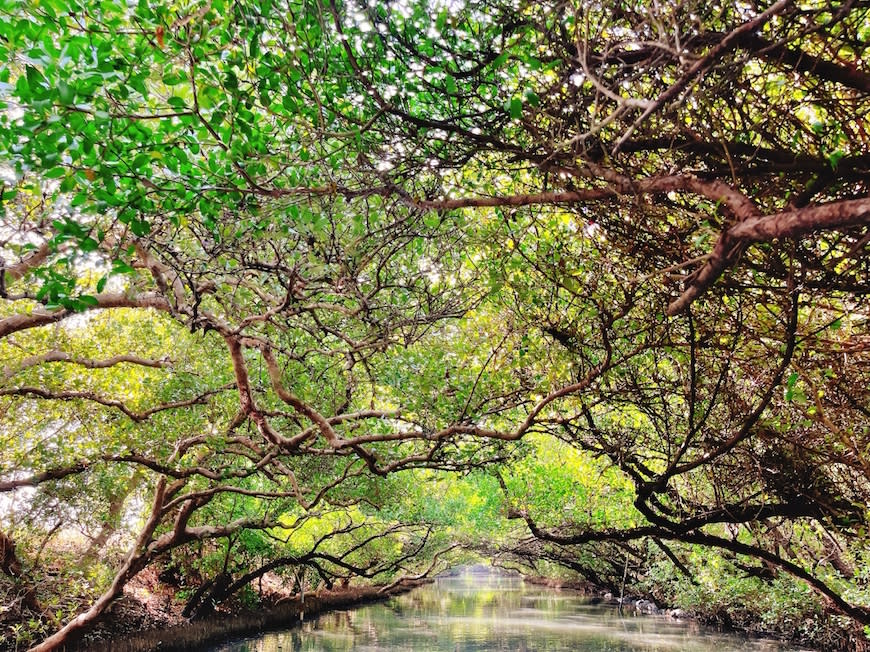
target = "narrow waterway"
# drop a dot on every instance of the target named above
(484, 613)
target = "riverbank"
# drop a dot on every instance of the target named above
(598, 595)
(827, 632)
(148, 617)
(120, 631)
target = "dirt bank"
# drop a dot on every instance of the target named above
(122, 629)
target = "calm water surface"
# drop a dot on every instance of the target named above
(485, 613)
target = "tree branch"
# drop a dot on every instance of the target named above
(21, 322)
(38, 392)
(62, 356)
(757, 228)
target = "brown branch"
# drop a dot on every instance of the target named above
(21, 322)
(803, 221)
(728, 42)
(166, 278)
(220, 473)
(758, 228)
(20, 269)
(295, 402)
(247, 404)
(69, 395)
(716, 191)
(45, 476)
(804, 62)
(342, 418)
(62, 356)
(533, 199)
(775, 52)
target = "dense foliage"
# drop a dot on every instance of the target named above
(332, 291)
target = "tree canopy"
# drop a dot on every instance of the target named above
(347, 288)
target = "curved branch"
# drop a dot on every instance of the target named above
(62, 356)
(295, 402)
(20, 269)
(105, 301)
(728, 42)
(788, 224)
(38, 392)
(804, 62)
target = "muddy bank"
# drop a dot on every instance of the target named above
(118, 632)
(598, 595)
(830, 638)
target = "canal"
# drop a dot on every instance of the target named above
(475, 612)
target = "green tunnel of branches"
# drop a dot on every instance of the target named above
(329, 292)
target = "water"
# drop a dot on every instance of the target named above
(485, 613)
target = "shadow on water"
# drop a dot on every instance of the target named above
(473, 611)
(204, 634)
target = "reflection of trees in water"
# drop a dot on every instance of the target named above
(452, 616)
(449, 616)
(338, 619)
(396, 607)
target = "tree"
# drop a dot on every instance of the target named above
(651, 220)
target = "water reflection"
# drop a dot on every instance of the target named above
(488, 613)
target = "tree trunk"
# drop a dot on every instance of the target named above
(59, 639)
(110, 525)
(137, 560)
(216, 591)
(9, 563)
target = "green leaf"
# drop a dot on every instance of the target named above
(140, 227)
(68, 184)
(66, 93)
(79, 199)
(289, 102)
(499, 61)
(173, 78)
(88, 245)
(120, 267)
(140, 161)
(35, 80)
(516, 108)
(441, 21)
